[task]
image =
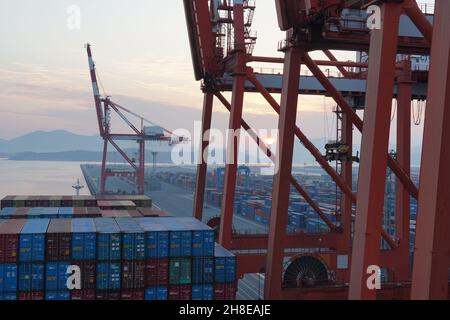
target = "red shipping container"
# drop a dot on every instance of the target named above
(59, 239)
(88, 274)
(83, 294)
(174, 293)
(230, 291)
(134, 213)
(90, 203)
(107, 213)
(43, 202)
(156, 272)
(66, 201)
(93, 212)
(138, 294)
(133, 275)
(21, 213)
(107, 295)
(31, 295)
(259, 213)
(9, 240)
(80, 212)
(180, 292)
(219, 291)
(185, 292)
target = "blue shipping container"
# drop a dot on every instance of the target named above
(108, 275)
(35, 213)
(8, 296)
(32, 240)
(65, 212)
(108, 239)
(203, 292)
(8, 278)
(156, 293)
(50, 213)
(203, 237)
(224, 265)
(180, 237)
(84, 239)
(202, 270)
(156, 238)
(5, 213)
(56, 276)
(57, 295)
(133, 239)
(31, 277)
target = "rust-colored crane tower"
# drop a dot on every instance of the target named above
(222, 45)
(104, 106)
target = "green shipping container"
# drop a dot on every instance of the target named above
(180, 271)
(19, 202)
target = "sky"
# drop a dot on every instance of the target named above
(143, 59)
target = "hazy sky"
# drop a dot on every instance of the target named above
(142, 54)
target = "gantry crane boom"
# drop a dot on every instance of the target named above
(96, 91)
(139, 135)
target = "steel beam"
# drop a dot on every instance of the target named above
(295, 240)
(283, 167)
(375, 141)
(103, 173)
(202, 167)
(141, 171)
(271, 156)
(418, 18)
(231, 165)
(332, 58)
(237, 101)
(337, 96)
(404, 83)
(432, 247)
(347, 176)
(303, 139)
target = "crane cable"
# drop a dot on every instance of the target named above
(417, 115)
(129, 111)
(394, 110)
(325, 121)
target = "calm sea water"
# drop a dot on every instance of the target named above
(39, 178)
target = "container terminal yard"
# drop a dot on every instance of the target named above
(359, 224)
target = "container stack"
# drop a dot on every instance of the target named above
(113, 258)
(125, 202)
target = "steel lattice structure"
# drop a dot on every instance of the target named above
(222, 45)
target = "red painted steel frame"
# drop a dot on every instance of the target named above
(237, 102)
(283, 167)
(208, 99)
(402, 217)
(374, 149)
(347, 176)
(432, 246)
(374, 160)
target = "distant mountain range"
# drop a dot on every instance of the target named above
(50, 141)
(62, 145)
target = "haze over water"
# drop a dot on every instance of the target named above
(39, 178)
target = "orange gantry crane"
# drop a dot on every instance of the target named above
(336, 266)
(104, 106)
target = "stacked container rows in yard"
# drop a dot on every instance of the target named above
(117, 258)
(125, 201)
(77, 212)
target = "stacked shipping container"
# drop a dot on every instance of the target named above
(78, 212)
(125, 201)
(117, 258)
